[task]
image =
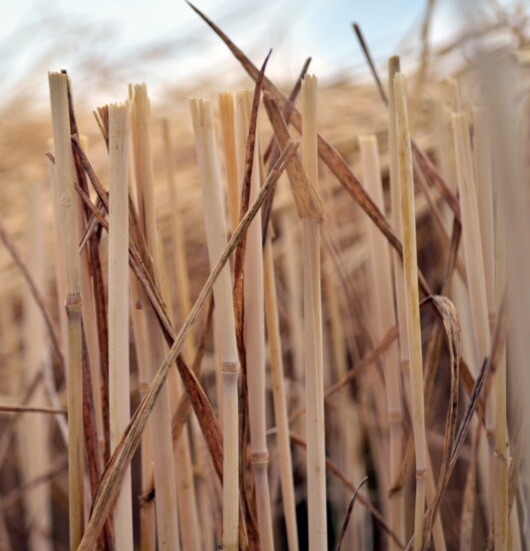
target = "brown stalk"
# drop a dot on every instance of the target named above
(244, 201)
(32, 409)
(253, 327)
(272, 151)
(238, 295)
(93, 304)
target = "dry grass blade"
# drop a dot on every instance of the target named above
(327, 153)
(32, 409)
(347, 516)
(308, 203)
(498, 344)
(272, 151)
(184, 407)
(423, 162)
(449, 318)
(115, 470)
(253, 328)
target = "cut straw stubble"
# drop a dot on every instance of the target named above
(202, 115)
(227, 114)
(118, 311)
(189, 521)
(279, 398)
(113, 474)
(314, 375)
(309, 208)
(411, 300)
(164, 462)
(64, 167)
(385, 320)
(147, 509)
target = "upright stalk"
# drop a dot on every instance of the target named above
(254, 335)
(280, 399)
(138, 322)
(385, 320)
(314, 374)
(147, 508)
(64, 167)
(118, 311)
(412, 307)
(164, 462)
(189, 521)
(216, 233)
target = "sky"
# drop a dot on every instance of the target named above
(165, 43)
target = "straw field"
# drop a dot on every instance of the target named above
(284, 316)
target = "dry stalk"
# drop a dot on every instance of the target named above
(411, 300)
(385, 320)
(118, 309)
(280, 399)
(189, 521)
(147, 509)
(309, 208)
(164, 463)
(202, 115)
(177, 235)
(329, 155)
(64, 167)
(314, 370)
(227, 113)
